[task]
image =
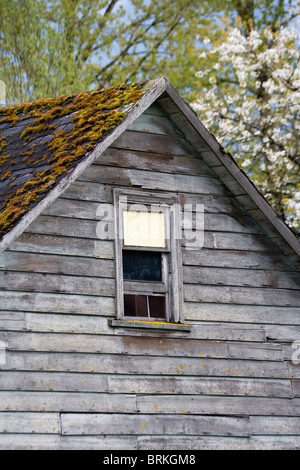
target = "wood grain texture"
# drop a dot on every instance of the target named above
(241, 277)
(56, 303)
(253, 314)
(37, 282)
(114, 345)
(213, 405)
(153, 180)
(219, 386)
(155, 143)
(240, 295)
(218, 443)
(55, 442)
(29, 423)
(152, 425)
(57, 245)
(129, 364)
(63, 401)
(55, 264)
(236, 259)
(151, 385)
(274, 425)
(165, 163)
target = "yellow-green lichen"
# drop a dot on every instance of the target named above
(3, 158)
(5, 176)
(3, 144)
(93, 116)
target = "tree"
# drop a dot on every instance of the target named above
(33, 59)
(53, 47)
(249, 97)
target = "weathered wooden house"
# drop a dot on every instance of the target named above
(150, 296)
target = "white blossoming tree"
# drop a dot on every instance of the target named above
(249, 97)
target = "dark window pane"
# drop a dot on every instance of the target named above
(148, 306)
(141, 306)
(129, 305)
(157, 306)
(142, 266)
(135, 305)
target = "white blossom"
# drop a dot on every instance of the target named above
(253, 107)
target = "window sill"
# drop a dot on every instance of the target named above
(152, 325)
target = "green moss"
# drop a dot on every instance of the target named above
(94, 116)
(5, 176)
(3, 158)
(10, 118)
(3, 144)
(38, 129)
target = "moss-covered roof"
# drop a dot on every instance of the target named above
(41, 142)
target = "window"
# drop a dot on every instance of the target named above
(148, 281)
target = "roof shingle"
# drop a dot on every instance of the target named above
(41, 142)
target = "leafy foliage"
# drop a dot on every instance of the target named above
(53, 47)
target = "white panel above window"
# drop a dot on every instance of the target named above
(144, 229)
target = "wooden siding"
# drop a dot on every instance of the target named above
(69, 380)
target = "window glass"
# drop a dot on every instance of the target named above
(150, 306)
(135, 305)
(157, 306)
(142, 266)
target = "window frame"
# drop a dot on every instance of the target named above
(171, 284)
